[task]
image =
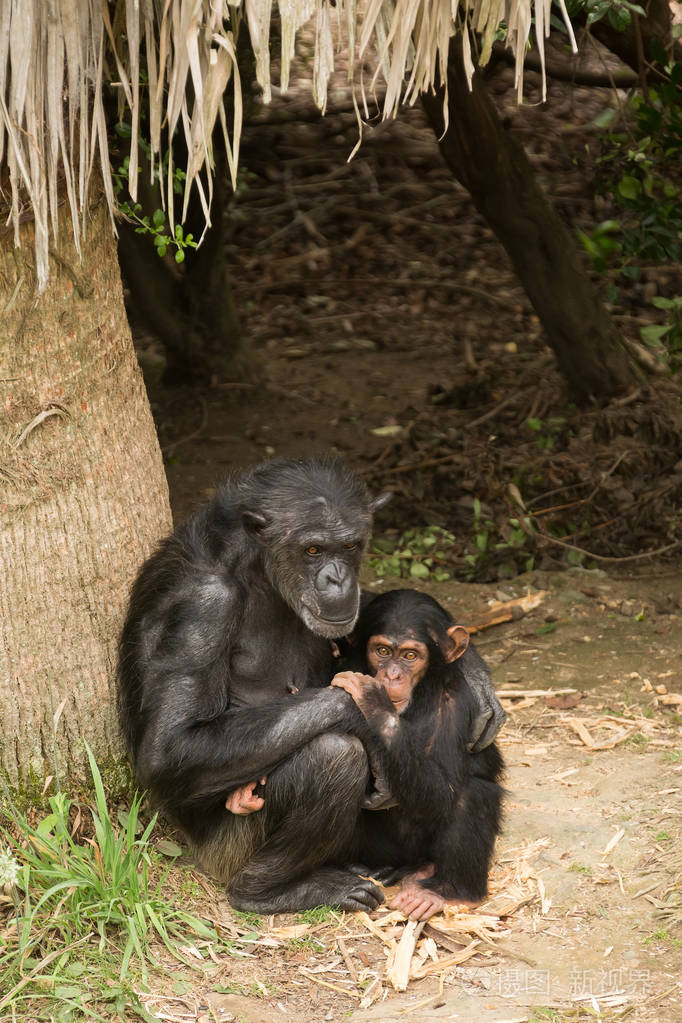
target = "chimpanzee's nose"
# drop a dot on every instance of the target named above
(333, 578)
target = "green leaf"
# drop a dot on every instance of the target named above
(604, 119)
(652, 335)
(419, 571)
(75, 970)
(629, 187)
(168, 848)
(66, 991)
(619, 19)
(159, 218)
(179, 256)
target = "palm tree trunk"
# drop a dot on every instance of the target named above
(83, 498)
(493, 166)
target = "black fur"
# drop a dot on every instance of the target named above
(223, 655)
(224, 661)
(449, 800)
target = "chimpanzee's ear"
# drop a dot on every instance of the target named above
(378, 502)
(457, 643)
(254, 522)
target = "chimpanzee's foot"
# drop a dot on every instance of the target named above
(325, 887)
(420, 902)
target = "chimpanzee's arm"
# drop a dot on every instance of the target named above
(423, 785)
(189, 744)
(197, 760)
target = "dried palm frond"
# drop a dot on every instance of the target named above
(57, 57)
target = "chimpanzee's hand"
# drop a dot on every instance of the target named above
(381, 798)
(244, 800)
(490, 716)
(359, 686)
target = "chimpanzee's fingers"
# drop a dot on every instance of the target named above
(485, 728)
(417, 905)
(362, 895)
(245, 800)
(380, 800)
(479, 729)
(370, 895)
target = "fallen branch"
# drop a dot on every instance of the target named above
(508, 611)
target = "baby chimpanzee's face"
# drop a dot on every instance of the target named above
(399, 663)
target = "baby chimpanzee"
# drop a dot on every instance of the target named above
(407, 678)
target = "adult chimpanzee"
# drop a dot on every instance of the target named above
(419, 708)
(224, 664)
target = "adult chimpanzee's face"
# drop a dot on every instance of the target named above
(316, 571)
(399, 663)
(330, 597)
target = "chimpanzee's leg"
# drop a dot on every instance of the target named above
(463, 848)
(387, 845)
(307, 824)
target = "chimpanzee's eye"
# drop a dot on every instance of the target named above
(313, 550)
(410, 655)
(383, 651)
(351, 546)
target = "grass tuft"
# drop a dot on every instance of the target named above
(84, 915)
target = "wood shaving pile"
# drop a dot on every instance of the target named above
(412, 950)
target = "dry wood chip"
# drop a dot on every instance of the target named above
(372, 994)
(580, 729)
(446, 964)
(443, 939)
(398, 968)
(347, 958)
(546, 903)
(671, 699)
(376, 930)
(613, 842)
(513, 708)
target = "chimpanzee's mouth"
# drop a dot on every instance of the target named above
(331, 627)
(344, 624)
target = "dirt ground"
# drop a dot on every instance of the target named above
(585, 915)
(393, 331)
